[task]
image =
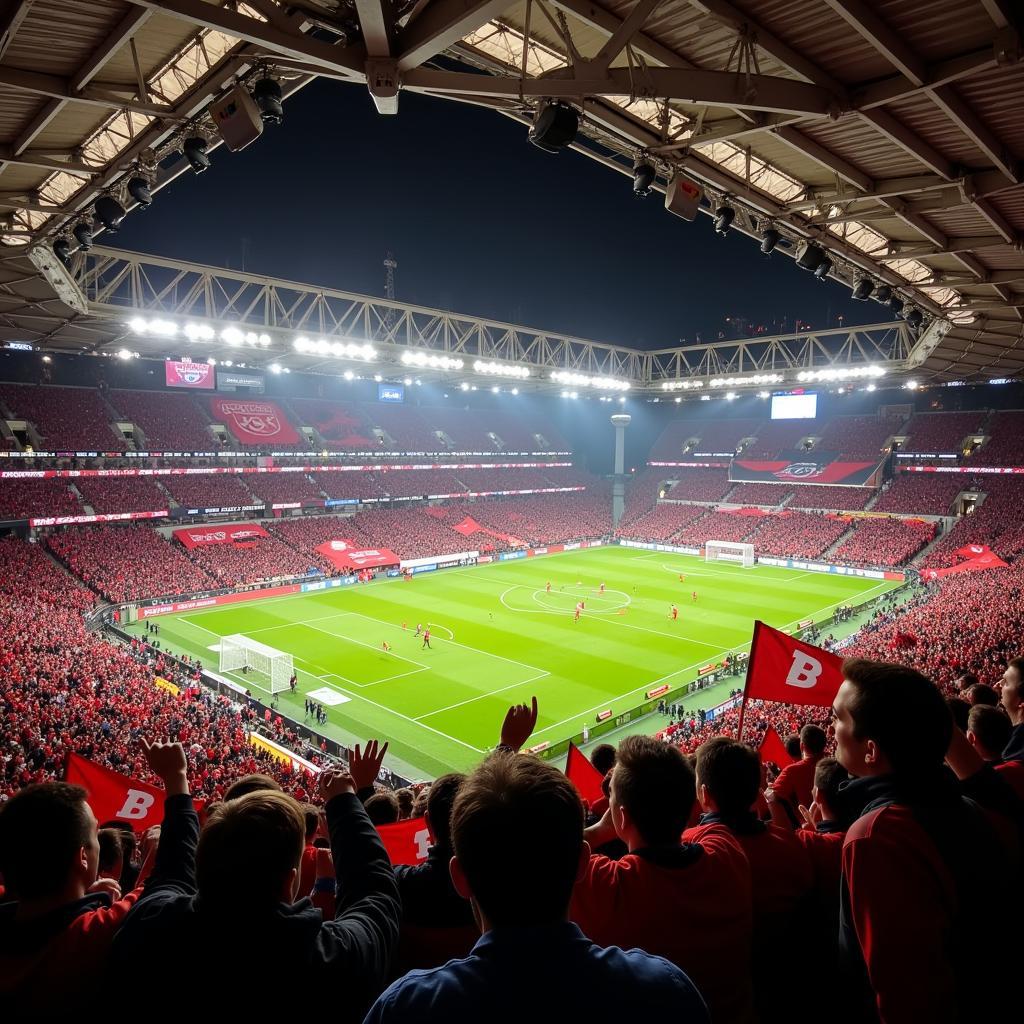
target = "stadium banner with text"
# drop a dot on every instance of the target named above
(116, 797)
(186, 374)
(283, 754)
(835, 570)
(103, 517)
(442, 561)
(667, 548)
(197, 536)
(341, 581)
(692, 465)
(190, 604)
(805, 468)
(231, 380)
(790, 671)
(254, 422)
(346, 554)
(287, 454)
(992, 470)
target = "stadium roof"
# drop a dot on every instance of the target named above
(888, 133)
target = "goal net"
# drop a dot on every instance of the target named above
(239, 652)
(729, 551)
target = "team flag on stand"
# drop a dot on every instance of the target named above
(407, 842)
(773, 749)
(789, 671)
(116, 797)
(583, 775)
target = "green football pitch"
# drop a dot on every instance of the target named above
(498, 637)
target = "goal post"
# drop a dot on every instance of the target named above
(729, 551)
(238, 651)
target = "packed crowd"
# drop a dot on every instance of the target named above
(925, 494)
(798, 534)
(824, 497)
(716, 525)
(235, 565)
(20, 498)
(887, 542)
(209, 490)
(759, 494)
(996, 521)
(168, 421)
(941, 432)
(1005, 447)
(122, 493)
(698, 484)
(283, 487)
(661, 523)
(67, 419)
(857, 438)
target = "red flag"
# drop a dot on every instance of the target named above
(788, 670)
(773, 749)
(116, 797)
(407, 842)
(583, 775)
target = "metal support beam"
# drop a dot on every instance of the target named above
(960, 113)
(907, 140)
(717, 88)
(376, 24)
(616, 42)
(12, 14)
(882, 37)
(441, 24)
(60, 89)
(30, 158)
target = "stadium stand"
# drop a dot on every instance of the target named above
(356, 484)
(406, 427)
(127, 563)
(941, 432)
(342, 425)
(731, 526)
(641, 494)
(857, 438)
(661, 523)
(921, 493)
(67, 419)
(466, 430)
(778, 436)
(547, 518)
(283, 487)
(759, 494)
(996, 522)
(121, 494)
(711, 436)
(22, 498)
(511, 429)
(699, 484)
(209, 490)
(169, 422)
(420, 482)
(1005, 447)
(798, 534)
(262, 558)
(825, 497)
(478, 480)
(887, 542)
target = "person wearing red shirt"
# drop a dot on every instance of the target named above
(728, 786)
(795, 782)
(685, 901)
(911, 910)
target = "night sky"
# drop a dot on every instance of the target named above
(480, 222)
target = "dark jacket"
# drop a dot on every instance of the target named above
(1014, 749)
(320, 967)
(428, 896)
(512, 972)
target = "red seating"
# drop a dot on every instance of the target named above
(68, 419)
(759, 494)
(941, 433)
(921, 493)
(857, 438)
(888, 542)
(825, 497)
(24, 498)
(699, 484)
(798, 534)
(209, 490)
(122, 493)
(661, 523)
(283, 487)
(719, 526)
(777, 436)
(170, 422)
(1006, 445)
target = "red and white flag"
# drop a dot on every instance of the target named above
(773, 749)
(790, 671)
(116, 797)
(407, 842)
(583, 775)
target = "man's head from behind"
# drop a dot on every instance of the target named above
(603, 758)
(889, 719)
(49, 850)
(829, 775)
(517, 833)
(652, 792)
(812, 741)
(988, 730)
(728, 776)
(249, 851)
(251, 784)
(440, 801)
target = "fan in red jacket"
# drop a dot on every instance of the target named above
(685, 901)
(795, 781)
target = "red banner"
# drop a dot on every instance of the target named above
(116, 797)
(802, 468)
(187, 374)
(200, 536)
(773, 749)
(785, 669)
(254, 421)
(345, 554)
(407, 842)
(990, 560)
(973, 551)
(583, 775)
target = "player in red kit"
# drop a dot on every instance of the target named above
(426, 638)
(385, 646)
(579, 610)
(674, 613)
(695, 595)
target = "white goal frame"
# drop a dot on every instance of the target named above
(729, 551)
(238, 651)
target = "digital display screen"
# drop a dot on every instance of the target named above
(795, 407)
(390, 393)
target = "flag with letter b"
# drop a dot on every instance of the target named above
(788, 670)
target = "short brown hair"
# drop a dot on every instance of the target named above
(42, 828)
(829, 775)
(652, 780)
(382, 808)
(251, 784)
(440, 801)
(517, 830)
(991, 727)
(248, 847)
(731, 771)
(813, 740)
(902, 711)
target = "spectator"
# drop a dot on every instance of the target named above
(680, 900)
(795, 783)
(911, 910)
(517, 833)
(223, 894)
(62, 916)
(382, 808)
(437, 923)
(988, 731)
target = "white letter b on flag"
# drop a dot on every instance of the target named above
(804, 671)
(136, 804)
